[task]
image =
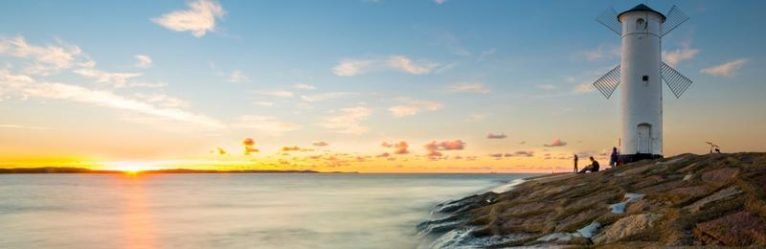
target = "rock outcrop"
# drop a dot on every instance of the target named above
(684, 201)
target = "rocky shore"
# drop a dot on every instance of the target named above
(687, 201)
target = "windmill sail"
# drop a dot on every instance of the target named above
(607, 18)
(674, 19)
(675, 80)
(609, 82)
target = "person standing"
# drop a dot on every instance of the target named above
(575, 163)
(614, 157)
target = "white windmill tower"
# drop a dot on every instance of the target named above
(641, 73)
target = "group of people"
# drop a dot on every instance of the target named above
(594, 165)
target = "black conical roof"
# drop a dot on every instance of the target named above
(641, 7)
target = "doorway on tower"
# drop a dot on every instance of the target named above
(644, 145)
(644, 139)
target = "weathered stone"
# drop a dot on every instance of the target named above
(690, 191)
(524, 208)
(577, 219)
(738, 229)
(720, 176)
(626, 227)
(634, 171)
(638, 207)
(717, 196)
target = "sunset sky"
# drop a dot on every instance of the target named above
(357, 85)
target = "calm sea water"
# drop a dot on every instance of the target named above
(225, 210)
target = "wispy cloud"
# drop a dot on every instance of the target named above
(435, 147)
(45, 59)
(584, 87)
(114, 79)
(199, 19)
(352, 67)
(674, 57)
(547, 87)
(27, 86)
(348, 120)
(304, 86)
(26, 127)
(276, 93)
(143, 61)
(163, 100)
(249, 146)
(602, 52)
(402, 147)
(320, 144)
(410, 107)
(440, 2)
(496, 136)
(556, 143)
(237, 76)
(267, 124)
(469, 87)
(726, 69)
(324, 96)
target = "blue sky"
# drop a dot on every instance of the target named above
(359, 73)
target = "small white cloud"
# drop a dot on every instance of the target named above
(726, 69)
(352, 67)
(199, 19)
(237, 76)
(303, 86)
(267, 124)
(407, 65)
(410, 107)
(348, 120)
(276, 93)
(469, 87)
(440, 2)
(674, 57)
(143, 61)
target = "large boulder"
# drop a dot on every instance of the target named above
(626, 227)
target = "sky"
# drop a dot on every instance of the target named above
(357, 85)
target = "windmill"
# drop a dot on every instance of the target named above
(641, 72)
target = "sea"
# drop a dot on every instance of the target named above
(88, 211)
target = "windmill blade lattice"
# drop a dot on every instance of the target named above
(674, 19)
(677, 82)
(609, 82)
(607, 18)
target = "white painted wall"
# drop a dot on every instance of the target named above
(641, 100)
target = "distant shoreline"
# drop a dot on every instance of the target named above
(66, 170)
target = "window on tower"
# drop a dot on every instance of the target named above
(641, 24)
(645, 78)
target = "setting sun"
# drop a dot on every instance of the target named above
(129, 167)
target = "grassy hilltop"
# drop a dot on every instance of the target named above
(687, 200)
